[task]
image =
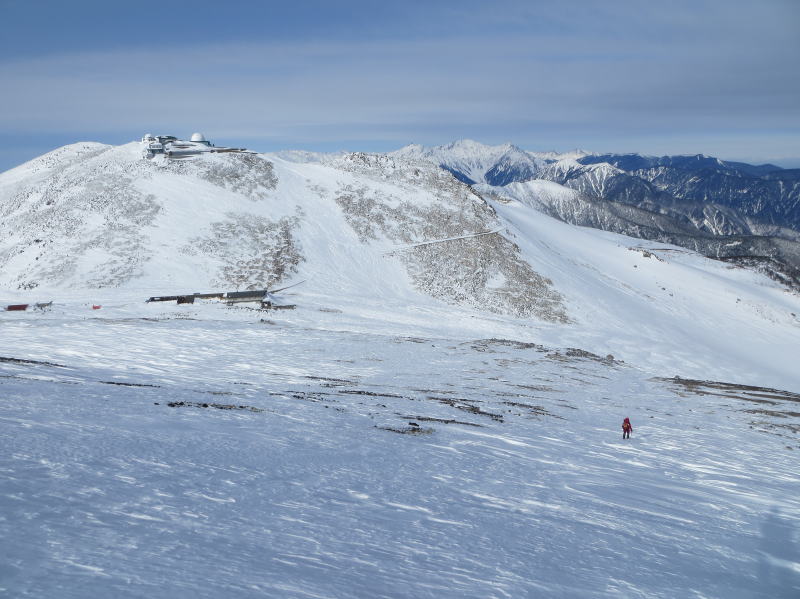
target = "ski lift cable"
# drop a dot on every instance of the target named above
(285, 288)
(414, 245)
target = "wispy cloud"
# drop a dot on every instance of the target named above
(578, 75)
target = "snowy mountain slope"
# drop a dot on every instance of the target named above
(713, 196)
(393, 234)
(720, 197)
(437, 420)
(732, 211)
(679, 307)
(777, 257)
(599, 180)
(242, 221)
(604, 181)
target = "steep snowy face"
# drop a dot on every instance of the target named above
(513, 165)
(592, 180)
(577, 207)
(100, 216)
(473, 162)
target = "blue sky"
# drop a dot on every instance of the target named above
(713, 77)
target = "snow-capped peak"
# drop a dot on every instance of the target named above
(473, 162)
(553, 156)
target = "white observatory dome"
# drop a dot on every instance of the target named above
(198, 137)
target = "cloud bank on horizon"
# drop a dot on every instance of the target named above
(712, 77)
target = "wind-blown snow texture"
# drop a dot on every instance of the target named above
(438, 420)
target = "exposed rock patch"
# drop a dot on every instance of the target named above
(256, 252)
(249, 174)
(485, 272)
(56, 220)
(218, 406)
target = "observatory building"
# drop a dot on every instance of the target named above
(172, 147)
(200, 138)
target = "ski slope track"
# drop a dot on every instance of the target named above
(438, 416)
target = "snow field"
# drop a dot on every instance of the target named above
(105, 493)
(675, 310)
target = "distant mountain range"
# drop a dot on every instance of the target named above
(732, 211)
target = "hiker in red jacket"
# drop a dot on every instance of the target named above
(627, 429)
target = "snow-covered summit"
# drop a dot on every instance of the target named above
(247, 221)
(553, 156)
(474, 162)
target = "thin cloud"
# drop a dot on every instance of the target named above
(609, 75)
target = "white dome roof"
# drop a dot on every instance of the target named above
(198, 137)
